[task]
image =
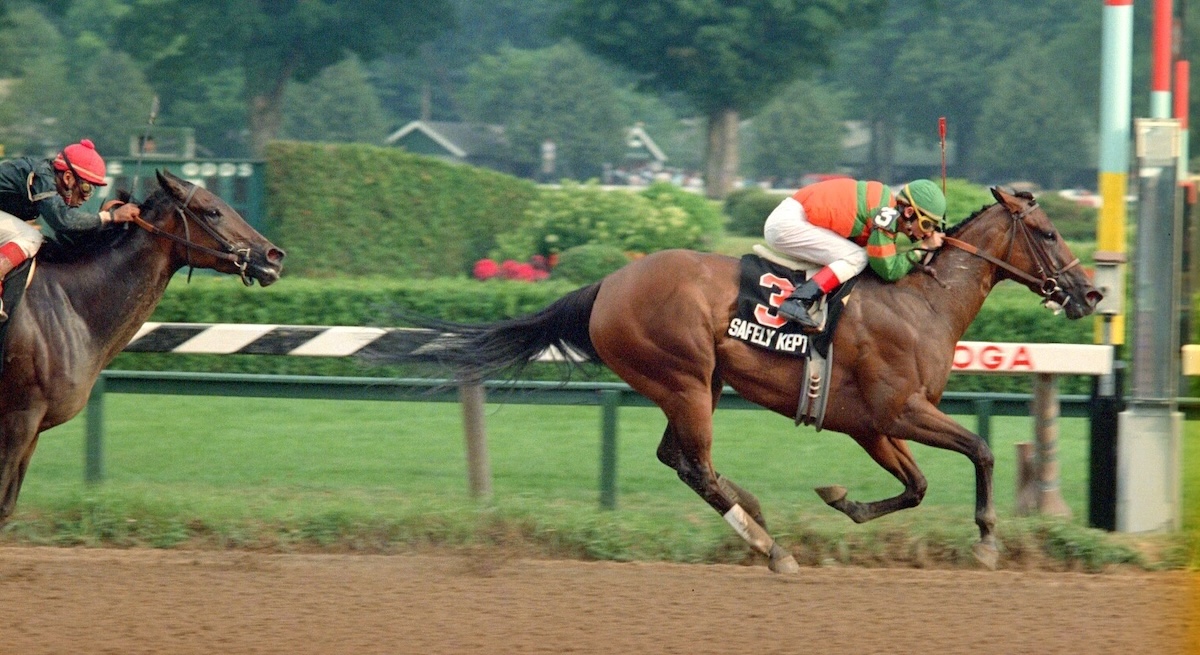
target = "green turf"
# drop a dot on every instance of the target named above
(320, 470)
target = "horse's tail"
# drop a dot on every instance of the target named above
(480, 351)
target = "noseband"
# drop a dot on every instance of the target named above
(1047, 285)
(240, 257)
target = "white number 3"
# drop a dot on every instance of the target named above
(886, 217)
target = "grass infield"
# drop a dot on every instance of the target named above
(297, 475)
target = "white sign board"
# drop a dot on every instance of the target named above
(1048, 358)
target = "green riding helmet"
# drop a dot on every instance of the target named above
(929, 201)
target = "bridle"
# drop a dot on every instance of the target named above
(1047, 285)
(240, 257)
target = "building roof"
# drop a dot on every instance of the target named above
(461, 140)
(637, 140)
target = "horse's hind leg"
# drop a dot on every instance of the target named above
(690, 458)
(17, 442)
(893, 455)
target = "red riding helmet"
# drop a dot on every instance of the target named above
(82, 160)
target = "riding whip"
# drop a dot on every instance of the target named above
(942, 138)
(145, 137)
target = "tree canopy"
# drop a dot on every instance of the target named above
(729, 58)
(271, 42)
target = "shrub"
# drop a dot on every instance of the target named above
(747, 210)
(1073, 220)
(702, 212)
(588, 263)
(578, 214)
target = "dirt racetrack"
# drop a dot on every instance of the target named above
(143, 601)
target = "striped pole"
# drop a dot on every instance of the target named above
(1160, 65)
(1116, 70)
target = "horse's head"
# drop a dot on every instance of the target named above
(213, 235)
(1039, 258)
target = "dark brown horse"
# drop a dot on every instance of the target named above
(660, 323)
(84, 305)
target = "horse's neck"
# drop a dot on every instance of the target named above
(112, 293)
(963, 283)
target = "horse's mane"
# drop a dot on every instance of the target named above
(67, 247)
(963, 223)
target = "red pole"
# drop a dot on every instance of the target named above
(1160, 64)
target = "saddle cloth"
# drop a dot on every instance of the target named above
(763, 286)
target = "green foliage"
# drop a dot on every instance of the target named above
(338, 105)
(589, 262)
(701, 211)
(799, 132)
(270, 43)
(748, 209)
(558, 93)
(577, 214)
(1074, 221)
(964, 198)
(363, 210)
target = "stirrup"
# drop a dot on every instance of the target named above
(803, 318)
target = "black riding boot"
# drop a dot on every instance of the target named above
(796, 307)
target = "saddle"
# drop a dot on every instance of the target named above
(767, 278)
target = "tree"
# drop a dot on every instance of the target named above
(272, 42)
(798, 132)
(339, 105)
(65, 88)
(1028, 127)
(557, 93)
(729, 58)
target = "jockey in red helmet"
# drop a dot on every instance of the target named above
(51, 190)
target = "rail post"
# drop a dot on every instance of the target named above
(610, 402)
(479, 474)
(93, 451)
(1045, 414)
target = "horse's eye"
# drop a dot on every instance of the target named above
(1050, 235)
(212, 214)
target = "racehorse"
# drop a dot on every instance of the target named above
(84, 304)
(660, 323)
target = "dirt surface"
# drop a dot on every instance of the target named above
(142, 601)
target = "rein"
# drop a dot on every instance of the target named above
(239, 257)
(1047, 285)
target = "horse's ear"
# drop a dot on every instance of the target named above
(171, 184)
(1010, 201)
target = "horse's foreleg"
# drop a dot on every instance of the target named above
(925, 424)
(893, 455)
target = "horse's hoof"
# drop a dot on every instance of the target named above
(831, 494)
(987, 554)
(782, 561)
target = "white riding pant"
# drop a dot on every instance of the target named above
(26, 236)
(787, 230)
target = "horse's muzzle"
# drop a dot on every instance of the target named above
(266, 265)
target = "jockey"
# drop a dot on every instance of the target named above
(844, 224)
(52, 190)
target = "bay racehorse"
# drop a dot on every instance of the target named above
(84, 304)
(660, 323)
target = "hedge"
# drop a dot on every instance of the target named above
(353, 209)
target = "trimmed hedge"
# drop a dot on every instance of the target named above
(352, 209)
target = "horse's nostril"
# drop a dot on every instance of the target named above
(1094, 297)
(275, 255)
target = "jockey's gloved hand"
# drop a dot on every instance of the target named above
(124, 212)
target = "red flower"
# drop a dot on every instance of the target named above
(485, 269)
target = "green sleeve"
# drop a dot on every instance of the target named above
(896, 265)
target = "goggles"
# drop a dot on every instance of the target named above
(85, 188)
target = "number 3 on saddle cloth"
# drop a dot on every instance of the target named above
(767, 279)
(14, 289)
